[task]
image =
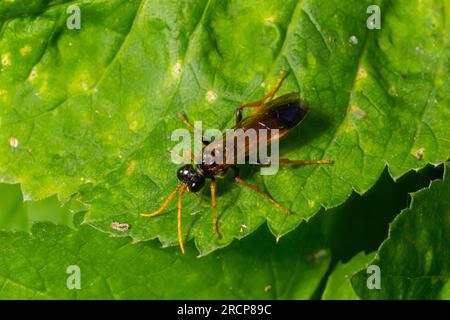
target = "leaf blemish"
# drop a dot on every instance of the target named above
(25, 50)
(270, 20)
(120, 226)
(313, 258)
(361, 74)
(357, 112)
(33, 74)
(353, 40)
(393, 91)
(131, 168)
(13, 142)
(420, 153)
(177, 68)
(6, 60)
(211, 96)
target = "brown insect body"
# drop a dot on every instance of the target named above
(282, 114)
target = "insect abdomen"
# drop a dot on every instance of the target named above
(289, 115)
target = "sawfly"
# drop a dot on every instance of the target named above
(281, 114)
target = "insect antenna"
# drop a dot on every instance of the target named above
(164, 205)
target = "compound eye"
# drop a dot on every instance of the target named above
(197, 185)
(183, 172)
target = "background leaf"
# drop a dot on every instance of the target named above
(414, 260)
(339, 286)
(34, 267)
(89, 112)
(17, 215)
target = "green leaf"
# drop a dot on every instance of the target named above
(338, 285)
(34, 267)
(90, 112)
(17, 215)
(297, 267)
(415, 259)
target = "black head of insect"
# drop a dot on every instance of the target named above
(194, 179)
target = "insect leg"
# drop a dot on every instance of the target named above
(259, 103)
(254, 188)
(180, 233)
(268, 95)
(213, 205)
(190, 126)
(298, 162)
(287, 161)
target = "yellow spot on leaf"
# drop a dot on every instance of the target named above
(177, 68)
(211, 96)
(131, 168)
(361, 74)
(33, 74)
(134, 125)
(392, 91)
(267, 288)
(419, 154)
(357, 111)
(13, 142)
(25, 50)
(348, 126)
(270, 19)
(6, 59)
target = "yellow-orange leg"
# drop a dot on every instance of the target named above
(259, 103)
(180, 233)
(287, 161)
(254, 188)
(213, 205)
(268, 95)
(169, 198)
(186, 122)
